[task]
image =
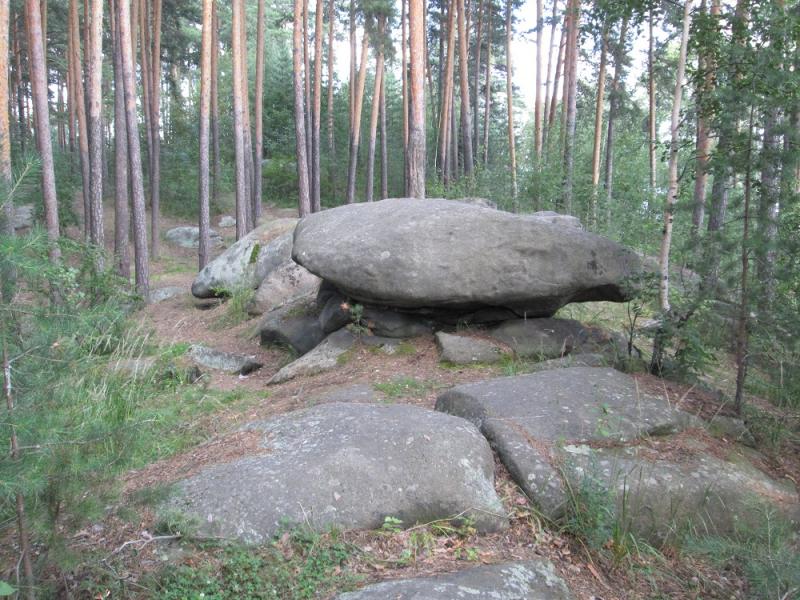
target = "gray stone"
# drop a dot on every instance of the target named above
(410, 253)
(223, 361)
(165, 293)
(394, 324)
(324, 357)
(295, 325)
(523, 416)
(466, 350)
(226, 221)
(247, 262)
(334, 310)
(555, 218)
(348, 466)
(189, 237)
(283, 285)
(529, 580)
(544, 338)
(666, 498)
(23, 216)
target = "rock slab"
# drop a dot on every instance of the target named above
(348, 466)
(529, 580)
(236, 364)
(189, 237)
(322, 358)
(409, 253)
(467, 350)
(545, 338)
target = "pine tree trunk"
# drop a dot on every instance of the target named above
(375, 113)
(384, 144)
(331, 136)
(537, 115)
(353, 49)
(7, 213)
(258, 153)
(466, 117)
(205, 122)
(141, 258)
(122, 218)
(242, 199)
(80, 109)
(598, 127)
(308, 105)
(562, 44)
(512, 154)
(155, 120)
(404, 88)
(94, 81)
(571, 107)
(355, 133)
(415, 157)
(476, 91)
(215, 103)
(613, 110)
(316, 116)
(246, 130)
(487, 101)
(38, 76)
(445, 130)
(651, 110)
(299, 111)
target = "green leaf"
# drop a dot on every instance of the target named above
(6, 589)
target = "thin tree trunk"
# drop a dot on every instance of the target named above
(94, 82)
(122, 218)
(258, 154)
(571, 107)
(466, 117)
(768, 211)
(141, 259)
(353, 48)
(215, 103)
(415, 158)
(20, 85)
(375, 113)
(205, 109)
(651, 110)
(355, 133)
(246, 129)
(537, 115)
(510, 105)
(487, 101)
(384, 145)
(38, 76)
(447, 97)
(308, 104)
(242, 199)
(22, 524)
(562, 44)
(613, 109)
(7, 213)
(331, 136)
(80, 108)
(549, 73)
(316, 116)
(155, 121)
(476, 79)
(404, 88)
(598, 127)
(299, 110)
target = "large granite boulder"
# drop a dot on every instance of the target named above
(295, 325)
(446, 254)
(247, 262)
(282, 286)
(529, 580)
(568, 431)
(348, 466)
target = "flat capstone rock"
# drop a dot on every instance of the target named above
(347, 466)
(236, 364)
(528, 580)
(408, 253)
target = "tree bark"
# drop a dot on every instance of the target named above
(375, 112)
(487, 101)
(562, 44)
(242, 199)
(80, 109)
(384, 144)
(7, 213)
(476, 79)
(331, 135)
(122, 218)
(205, 123)
(155, 120)
(299, 110)
(466, 118)
(316, 117)
(404, 87)
(598, 126)
(246, 129)
(415, 157)
(258, 152)
(651, 110)
(613, 109)
(355, 133)
(94, 82)
(308, 104)
(141, 258)
(445, 131)
(537, 115)
(571, 107)
(510, 106)
(38, 76)
(215, 102)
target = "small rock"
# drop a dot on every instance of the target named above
(226, 221)
(322, 358)
(165, 293)
(466, 350)
(189, 237)
(236, 364)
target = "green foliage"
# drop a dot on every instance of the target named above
(236, 307)
(765, 553)
(299, 566)
(403, 387)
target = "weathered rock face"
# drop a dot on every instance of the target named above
(577, 429)
(323, 357)
(349, 466)
(295, 324)
(467, 350)
(529, 580)
(558, 219)
(189, 237)
(551, 338)
(210, 358)
(411, 254)
(249, 261)
(282, 286)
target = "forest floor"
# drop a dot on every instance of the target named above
(133, 548)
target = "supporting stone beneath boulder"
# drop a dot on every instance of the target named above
(282, 286)
(529, 580)
(347, 466)
(467, 350)
(295, 325)
(236, 364)
(322, 358)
